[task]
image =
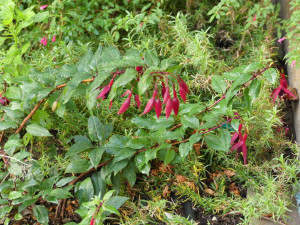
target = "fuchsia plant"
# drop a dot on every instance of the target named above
(282, 89)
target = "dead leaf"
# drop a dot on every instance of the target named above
(166, 191)
(229, 173)
(153, 172)
(70, 209)
(191, 185)
(234, 189)
(197, 146)
(209, 191)
(165, 169)
(180, 179)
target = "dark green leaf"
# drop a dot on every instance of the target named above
(213, 141)
(78, 166)
(111, 209)
(170, 155)
(271, 74)
(130, 173)
(14, 195)
(95, 128)
(184, 149)
(98, 184)
(59, 193)
(83, 65)
(254, 89)
(85, 191)
(7, 124)
(64, 181)
(95, 155)
(138, 143)
(26, 203)
(95, 61)
(123, 154)
(78, 148)
(191, 122)
(126, 77)
(37, 130)
(151, 58)
(41, 214)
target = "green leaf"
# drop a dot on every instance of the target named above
(235, 124)
(39, 17)
(126, 77)
(96, 60)
(138, 143)
(78, 166)
(144, 83)
(64, 181)
(26, 203)
(14, 195)
(170, 155)
(110, 54)
(271, 74)
(5, 210)
(247, 99)
(213, 141)
(37, 130)
(111, 209)
(130, 173)
(218, 84)
(18, 216)
(83, 64)
(116, 143)
(116, 201)
(7, 124)
(151, 58)
(123, 154)
(191, 122)
(116, 167)
(99, 184)
(85, 191)
(78, 148)
(95, 128)
(254, 89)
(95, 156)
(59, 193)
(41, 214)
(225, 139)
(184, 149)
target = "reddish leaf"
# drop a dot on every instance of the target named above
(137, 100)
(175, 105)
(182, 93)
(149, 106)
(158, 107)
(167, 96)
(104, 91)
(168, 108)
(124, 106)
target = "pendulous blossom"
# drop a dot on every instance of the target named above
(281, 39)
(43, 7)
(54, 38)
(44, 41)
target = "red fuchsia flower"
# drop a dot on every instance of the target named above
(293, 63)
(238, 142)
(92, 221)
(150, 103)
(43, 7)
(282, 89)
(182, 92)
(44, 41)
(254, 18)
(54, 38)
(141, 24)
(137, 100)
(110, 104)
(168, 108)
(125, 105)
(167, 95)
(175, 102)
(163, 89)
(281, 39)
(103, 94)
(158, 107)
(138, 68)
(184, 85)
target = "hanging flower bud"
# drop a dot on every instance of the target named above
(182, 92)
(175, 102)
(163, 89)
(138, 68)
(110, 104)
(126, 93)
(92, 221)
(105, 90)
(168, 108)
(125, 105)
(137, 100)
(4, 101)
(54, 106)
(150, 103)
(166, 95)
(158, 107)
(184, 85)
(54, 38)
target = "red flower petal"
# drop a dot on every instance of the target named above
(93, 221)
(104, 91)
(124, 106)
(182, 93)
(110, 104)
(276, 92)
(126, 93)
(163, 89)
(168, 108)
(175, 105)
(167, 96)
(149, 106)
(288, 92)
(137, 100)
(234, 138)
(184, 85)
(237, 145)
(138, 68)
(158, 107)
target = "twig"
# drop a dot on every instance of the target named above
(9, 157)
(269, 219)
(232, 213)
(41, 102)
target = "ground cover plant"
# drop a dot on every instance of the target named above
(145, 112)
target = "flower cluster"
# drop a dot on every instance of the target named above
(44, 40)
(163, 79)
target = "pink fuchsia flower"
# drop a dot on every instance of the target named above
(44, 41)
(43, 7)
(238, 142)
(282, 89)
(141, 24)
(293, 63)
(281, 39)
(254, 18)
(105, 91)
(54, 38)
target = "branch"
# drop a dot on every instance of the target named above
(41, 102)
